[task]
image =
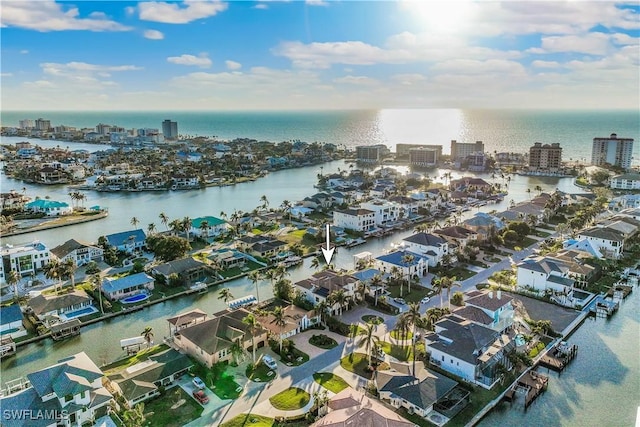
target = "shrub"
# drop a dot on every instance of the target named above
(337, 326)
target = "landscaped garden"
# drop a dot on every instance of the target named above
(141, 356)
(417, 292)
(174, 409)
(217, 379)
(330, 381)
(372, 319)
(290, 399)
(252, 420)
(323, 341)
(358, 363)
(399, 335)
(402, 353)
(259, 373)
(226, 388)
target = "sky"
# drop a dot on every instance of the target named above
(318, 54)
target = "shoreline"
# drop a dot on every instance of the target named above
(45, 226)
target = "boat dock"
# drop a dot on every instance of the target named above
(65, 329)
(559, 356)
(7, 346)
(532, 384)
(241, 302)
(601, 307)
(619, 292)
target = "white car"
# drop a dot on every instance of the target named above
(425, 300)
(268, 360)
(198, 382)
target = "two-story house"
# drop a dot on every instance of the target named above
(408, 262)
(431, 246)
(208, 226)
(127, 241)
(493, 310)
(80, 252)
(362, 220)
(608, 241)
(544, 273)
(320, 285)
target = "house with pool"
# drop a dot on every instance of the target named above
(51, 309)
(127, 241)
(11, 322)
(128, 286)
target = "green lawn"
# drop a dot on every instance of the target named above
(402, 353)
(417, 292)
(372, 319)
(297, 359)
(235, 271)
(132, 360)
(395, 334)
(355, 331)
(358, 362)
(330, 381)
(243, 420)
(260, 373)
(524, 243)
(323, 341)
(460, 272)
(225, 387)
(290, 399)
(161, 414)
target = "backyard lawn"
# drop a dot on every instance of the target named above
(397, 335)
(417, 292)
(402, 353)
(235, 271)
(243, 420)
(159, 412)
(358, 362)
(330, 381)
(225, 387)
(372, 319)
(260, 373)
(290, 399)
(132, 360)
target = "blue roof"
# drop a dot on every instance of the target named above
(110, 285)
(395, 258)
(46, 204)
(366, 275)
(119, 239)
(10, 314)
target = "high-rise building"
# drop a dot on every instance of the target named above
(402, 150)
(170, 129)
(103, 129)
(613, 151)
(545, 158)
(460, 150)
(42, 124)
(26, 124)
(371, 153)
(423, 157)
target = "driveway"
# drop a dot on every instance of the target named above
(302, 341)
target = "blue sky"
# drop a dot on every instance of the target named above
(315, 54)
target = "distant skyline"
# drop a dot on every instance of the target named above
(318, 54)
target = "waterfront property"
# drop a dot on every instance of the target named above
(609, 242)
(210, 341)
(123, 287)
(208, 226)
(49, 207)
(71, 391)
(431, 246)
(468, 350)
(485, 308)
(49, 308)
(296, 320)
(142, 381)
(417, 392)
(320, 285)
(11, 322)
(79, 252)
(184, 320)
(409, 263)
(25, 259)
(127, 241)
(630, 181)
(352, 407)
(361, 220)
(188, 269)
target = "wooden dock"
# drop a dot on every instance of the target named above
(66, 329)
(533, 384)
(619, 291)
(559, 357)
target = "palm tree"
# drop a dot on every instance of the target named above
(151, 228)
(286, 207)
(204, 227)
(363, 287)
(375, 283)
(449, 285)
(226, 295)
(237, 351)
(413, 317)
(54, 270)
(134, 417)
(339, 297)
(369, 339)
(407, 260)
(529, 193)
(279, 319)
(13, 278)
(96, 280)
(265, 202)
(135, 221)
(321, 308)
(251, 321)
(147, 334)
(402, 327)
(315, 263)
(442, 283)
(186, 225)
(255, 277)
(175, 226)
(69, 268)
(164, 219)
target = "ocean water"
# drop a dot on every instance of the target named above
(500, 130)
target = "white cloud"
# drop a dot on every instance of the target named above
(232, 65)
(153, 35)
(356, 80)
(261, 6)
(59, 69)
(317, 3)
(24, 51)
(474, 67)
(130, 10)
(6, 74)
(591, 43)
(39, 84)
(47, 15)
(175, 13)
(545, 64)
(199, 61)
(408, 79)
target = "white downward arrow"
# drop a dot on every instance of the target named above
(328, 253)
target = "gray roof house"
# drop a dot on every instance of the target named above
(116, 289)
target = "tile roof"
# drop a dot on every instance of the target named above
(30, 399)
(474, 314)
(426, 239)
(69, 376)
(490, 300)
(422, 392)
(69, 246)
(188, 317)
(467, 338)
(179, 266)
(396, 258)
(602, 233)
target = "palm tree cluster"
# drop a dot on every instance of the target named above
(59, 271)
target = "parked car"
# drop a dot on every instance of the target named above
(268, 360)
(425, 300)
(200, 396)
(400, 300)
(198, 382)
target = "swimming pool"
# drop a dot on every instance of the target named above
(134, 298)
(78, 313)
(519, 339)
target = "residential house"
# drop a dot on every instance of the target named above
(24, 259)
(385, 213)
(127, 241)
(180, 181)
(629, 181)
(484, 224)
(318, 201)
(414, 264)
(48, 306)
(468, 350)
(362, 220)
(545, 274)
(188, 269)
(117, 289)
(49, 207)
(13, 200)
(296, 320)
(80, 252)
(226, 258)
(457, 236)
(212, 226)
(418, 393)
(476, 187)
(210, 341)
(431, 246)
(11, 322)
(320, 285)
(142, 381)
(50, 175)
(353, 408)
(70, 392)
(493, 310)
(579, 270)
(408, 205)
(365, 276)
(186, 319)
(609, 242)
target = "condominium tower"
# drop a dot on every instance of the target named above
(613, 151)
